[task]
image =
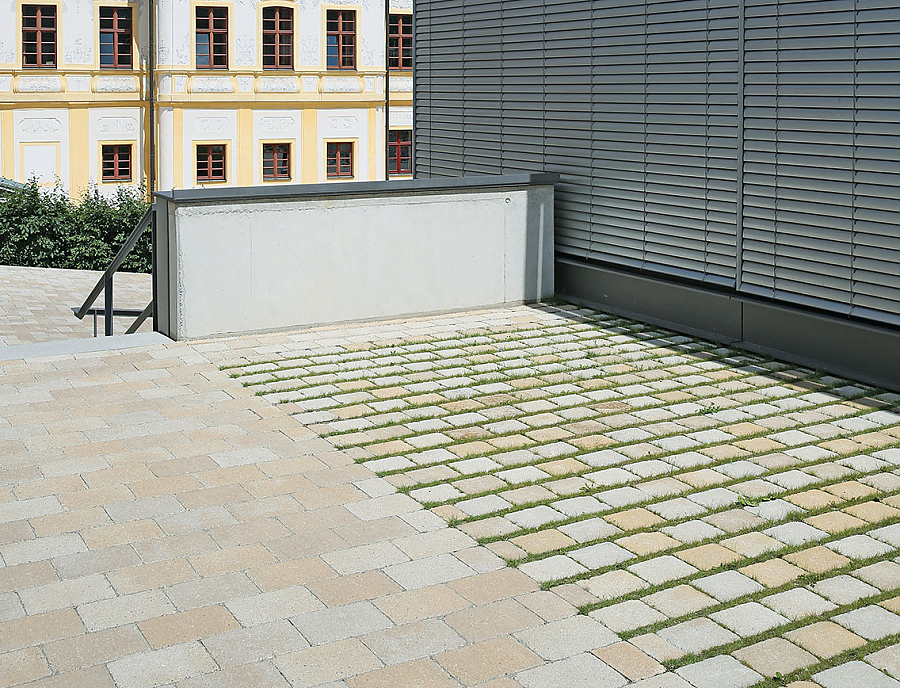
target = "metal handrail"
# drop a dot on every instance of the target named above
(105, 283)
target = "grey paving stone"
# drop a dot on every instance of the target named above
(844, 589)
(522, 474)
(798, 603)
(888, 660)
(795, 533)
(749, 619)
(662, 569)
(677, 509)
(621, 496)
(581, 671)
(692, 531)
(871, 622)
(337, 623)
(579, 506)
(601, 555)
(627, 616)
(589, 529)
(552, 568)
(859, 547)
(719, 672)
(479, 506)
(715, 498)
(774, 509)
(854, 673)
(535, 516)
(727, 585)
(567, 637)
(696, 635)
(604, 457)
(741, 469)
(421, 573)
(889, 534)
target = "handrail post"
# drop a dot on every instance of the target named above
(108, 305)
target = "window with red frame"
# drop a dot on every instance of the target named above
(278, 38)
(339, 161)
(340, 48)
(116, 163)
(115, 37)
(276, 161)
(39, 36)
(400, 152)
(211, 163)
(400, 41)
(212, 38)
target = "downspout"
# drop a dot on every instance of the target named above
(387, 89)
(151, 65)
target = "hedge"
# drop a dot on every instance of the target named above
(45, 228)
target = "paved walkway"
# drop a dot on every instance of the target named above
(716, 518)
(36, 303)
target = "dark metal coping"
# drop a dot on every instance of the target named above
(254, 193)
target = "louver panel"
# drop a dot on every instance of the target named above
(752, 145)
(618, 185)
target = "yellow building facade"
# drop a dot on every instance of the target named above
(244, 92)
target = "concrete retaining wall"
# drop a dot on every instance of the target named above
(319, 254)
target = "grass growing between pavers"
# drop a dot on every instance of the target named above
(527, 437)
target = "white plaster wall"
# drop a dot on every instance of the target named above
(274, 264)
(164, 149)
(276, 125)
(345, 124)
(401, 116)
(122, 125)
(41, 127)
(8, 31)
(200, 126)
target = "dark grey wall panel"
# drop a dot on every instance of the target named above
(752, 146)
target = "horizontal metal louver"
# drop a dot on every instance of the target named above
(751, 145)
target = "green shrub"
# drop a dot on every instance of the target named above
(44, 228)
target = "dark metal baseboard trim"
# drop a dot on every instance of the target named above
(849, 349)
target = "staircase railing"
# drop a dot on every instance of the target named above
(105, 283)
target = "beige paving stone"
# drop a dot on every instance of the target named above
(813, 499)
(774, 656)
(284, 574)
(353, 588)
(22, 666)
(629, 661)
(851, 489)
(493, 586)
(231, 559)
(273, 605)
(422, 672)
(147, 576)
(707, 557)
(772, 573)
(95, 677)
(752, 544)
(183, 627)
(872, 512)
(480, 662)
(656, 647)
(24, 575)
(39, 628)
(87, 649)
(835, 522)
(633, 519)
(492, 620)
(824, 639)
(542, 541)
(817, 559)
(647, 543)
(423, 603)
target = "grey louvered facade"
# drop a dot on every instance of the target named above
(723, 164)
